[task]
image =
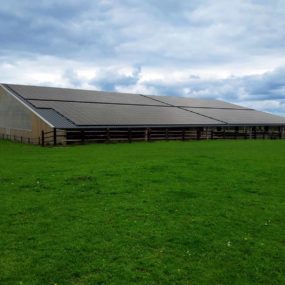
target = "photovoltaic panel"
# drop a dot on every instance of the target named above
(62, 94)
(249, 117)
(56, 119)
(190, 102)
(112, 114)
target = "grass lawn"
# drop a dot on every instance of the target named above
(208, 212)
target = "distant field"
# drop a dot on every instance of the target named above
(208, 212)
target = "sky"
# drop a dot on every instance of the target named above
(228, 50)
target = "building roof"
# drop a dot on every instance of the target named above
(73, 108)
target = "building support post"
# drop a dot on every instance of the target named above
(254, 133)
(43, 138)
(236, 132)
(108, 134)
(82, 135)
(146, 134)
(183, 134)
(266, 132)
(129, 135)
(54, 136)
(198, 134)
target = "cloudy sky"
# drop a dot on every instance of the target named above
(230, 50)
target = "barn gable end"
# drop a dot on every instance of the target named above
(17, 121)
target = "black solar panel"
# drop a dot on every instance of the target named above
(250, 117)
(76, 95)
(196, 103)
(112, 114)
(56, 119)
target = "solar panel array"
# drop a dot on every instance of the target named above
(195, 103)
(240, 117)
(76, 95)
(114, 114)
(77, 108)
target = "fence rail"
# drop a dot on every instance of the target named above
(155, 134)
(82, 136)
(21, 139)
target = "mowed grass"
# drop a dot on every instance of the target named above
(208, 212)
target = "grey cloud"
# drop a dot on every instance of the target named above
(270, 85)
(267, 86)
(72, 78)
(176, 33)
(109, 80)
(51, 28)
(265, 91)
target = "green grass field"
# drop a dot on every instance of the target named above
(208, 212)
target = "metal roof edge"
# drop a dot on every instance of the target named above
(86, 127)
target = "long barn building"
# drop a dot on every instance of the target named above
(51, 116)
